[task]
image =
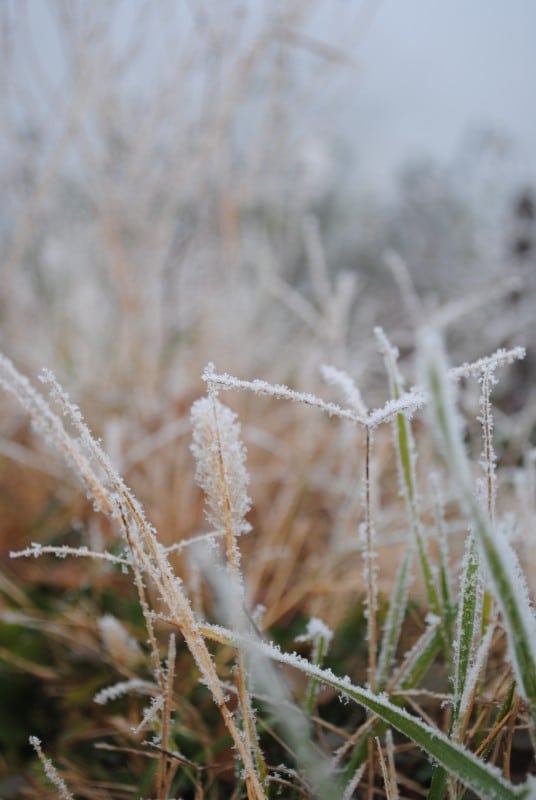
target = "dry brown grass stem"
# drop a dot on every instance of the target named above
(115, 499)
(383, 767)
(233, 562)
(166, 770)
(157, 567)
(51, 426)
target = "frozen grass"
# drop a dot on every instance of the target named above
(143, 236)
(472, 713)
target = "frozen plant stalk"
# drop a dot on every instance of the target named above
(50, 771)
(221, 472)
(147, 556)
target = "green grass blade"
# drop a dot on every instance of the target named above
(485, 780)
(438, 784)
(394, 620)
(420, 658)
(406, 458)
(507, 581)
(468, 622)
(444, 579)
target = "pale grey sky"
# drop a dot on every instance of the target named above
(433, 69)
(429, 71)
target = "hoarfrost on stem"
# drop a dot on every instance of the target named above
(220, 464)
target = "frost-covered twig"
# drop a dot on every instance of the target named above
(50, 771)
(477, 368)
(133, 686)
(407, 403)
(50, 426)
(62, 551)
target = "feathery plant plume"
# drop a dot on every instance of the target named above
(221, 472)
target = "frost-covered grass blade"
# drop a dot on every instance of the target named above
(503, 569)
(485, 780)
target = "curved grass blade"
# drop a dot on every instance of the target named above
(394, 620)
(485, 780)
(507, 580)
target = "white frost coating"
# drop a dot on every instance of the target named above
(390, 354)
(220, 464)
(446, 422)
(499, 358)
(394, 619)
(506, 577)
(112, 496)
(123, 648)
(50, 770)
(316, 629)
(516, 578)
(343, 381)
(207, 538)
(354, 782)
(320, 635)
(471, 681)
(50, 426)
(359, 694)
(118, 500)
(466, 641)
(36, 550)
(488, 458)
(406, 404)
(133, 686)
(225, 381)
(157, 703)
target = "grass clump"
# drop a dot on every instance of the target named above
(196, 695)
